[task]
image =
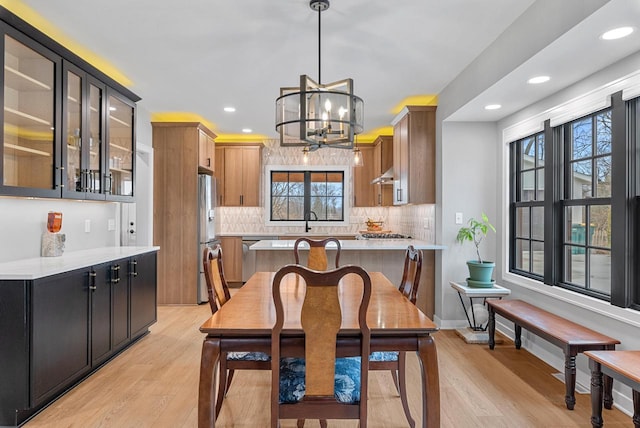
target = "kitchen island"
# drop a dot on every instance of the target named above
(375, 255)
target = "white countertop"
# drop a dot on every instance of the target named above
(350, 245)
(39, 267)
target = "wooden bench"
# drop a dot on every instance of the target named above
(571, 337)
(623, 366)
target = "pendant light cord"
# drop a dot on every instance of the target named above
(319, 44)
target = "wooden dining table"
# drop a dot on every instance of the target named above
(245, 322)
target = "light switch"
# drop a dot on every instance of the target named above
(458, 218)
(87, 226)
(111, 224)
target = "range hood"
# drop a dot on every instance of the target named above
(385, 178)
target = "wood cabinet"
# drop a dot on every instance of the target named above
(383, 162)
(241, 175)
(58, 140)
(219, 173)
(175, 216)
(58, 329)
(364, 193)
(232, 258)
(414, 155)
(206, 153)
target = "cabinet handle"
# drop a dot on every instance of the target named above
(115, 274)
(241, 200)
(107, 189)
(92, 281)
(208, 161)
(134, 268)
(379, 199)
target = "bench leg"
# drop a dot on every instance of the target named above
(636, 409)
(570, 380)
(608, 392)
(518, 339)
(492, 328)
(596, 394)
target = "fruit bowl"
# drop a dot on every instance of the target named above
(374, 226)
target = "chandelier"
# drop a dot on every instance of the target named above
(316, 115)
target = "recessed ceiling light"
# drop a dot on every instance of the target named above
(538, 79)
(617, 33)
(247, 130)
(492, 107)
(229, 109)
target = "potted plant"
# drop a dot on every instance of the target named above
(480, 271)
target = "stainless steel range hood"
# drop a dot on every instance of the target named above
(386, 178)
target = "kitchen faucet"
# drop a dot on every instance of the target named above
(307, 217)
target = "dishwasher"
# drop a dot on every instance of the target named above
(249, 256)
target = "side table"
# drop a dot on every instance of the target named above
(476, 313)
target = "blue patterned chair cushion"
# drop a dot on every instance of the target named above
(347, 380)
(248, 356)
(384, 356)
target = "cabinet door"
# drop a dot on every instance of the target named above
(232, 258)
(206, 153)
(233, 176)
(30, 158)
(219, 173)
(364, 193)
(120, 150)
(60, 333)
(401, 161)
(250, 176)
(120, 303)
(101, 315)
(142, 274)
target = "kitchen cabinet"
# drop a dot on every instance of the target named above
(206, 153)
(364, 193)
(59, 328)
(219, 173)
(414, 155)
(232, 258)
(175, 216)
(242, 172)
(383, 162)
(55, 125)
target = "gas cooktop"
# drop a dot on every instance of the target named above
(382, 236)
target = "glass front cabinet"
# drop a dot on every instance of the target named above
(68, 129)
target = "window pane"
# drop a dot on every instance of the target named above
(296, 208)
(576, 218)
(318, 189)
(540, 184)
(538, 257)
(600, 270)
(522, 254)
(603, 179)
(522, 222)
(574, 265)
(540, 151)
(278, 208)
(581, 180)
(527, 154)
(296, 183)
(334, 209)
(603, 128)
(582, 146)
(600, 217)
(537, 223)
(527, 182)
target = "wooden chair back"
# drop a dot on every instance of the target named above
(411, 274)
(317, 259)
(320, 319)
(217, 287)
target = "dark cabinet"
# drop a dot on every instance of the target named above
(58, 329)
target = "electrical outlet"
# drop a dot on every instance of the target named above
(111, 224)
(458, 218)
(87, 226)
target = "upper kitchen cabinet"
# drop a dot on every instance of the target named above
(242, 170)
(414, 155)
(364, 193)
(383, 163)
(206, 153)
(58, 140)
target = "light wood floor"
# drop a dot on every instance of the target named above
(155, 384)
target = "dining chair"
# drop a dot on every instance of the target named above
(396, 360)
(218, 293)
(308, 381)
(317, 258)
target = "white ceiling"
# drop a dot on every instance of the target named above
(199, 56)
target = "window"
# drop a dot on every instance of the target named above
(587, 204)
(527, 227)
(307, 195)
(574, 204)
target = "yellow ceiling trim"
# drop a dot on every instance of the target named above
(182, 116)
(241, 138)
(416, 100)
(17, 7)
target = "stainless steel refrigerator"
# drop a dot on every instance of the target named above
(206, 226)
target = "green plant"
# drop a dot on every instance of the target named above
(475, 232)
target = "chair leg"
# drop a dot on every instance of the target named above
(229, 379)
(222, 384)
(402, 361)
(394, 375)
(323, 423)
(300, 423)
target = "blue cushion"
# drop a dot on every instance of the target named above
(248, 356)
(384, 356)
(347, 380)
